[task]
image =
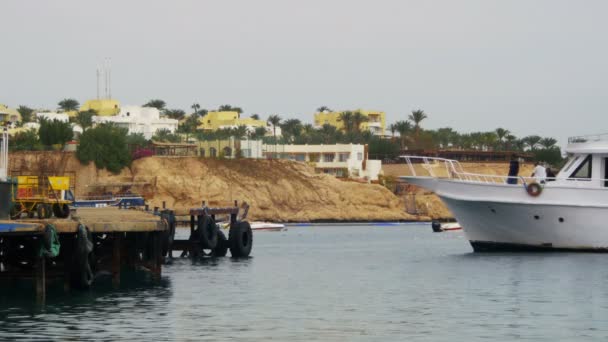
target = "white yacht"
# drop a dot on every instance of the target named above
(567, 213)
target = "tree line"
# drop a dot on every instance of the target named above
(405, 135)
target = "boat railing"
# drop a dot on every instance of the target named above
(448, 168)
(452, 169)
(106, 197)
(588, 138)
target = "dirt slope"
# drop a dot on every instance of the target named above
(276, 190)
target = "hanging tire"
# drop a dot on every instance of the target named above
(222, 245)
(42, 210)
(168, 235)
(207, 232)
(240, 239)
(61, 210)
(48, 210)
(82, 273)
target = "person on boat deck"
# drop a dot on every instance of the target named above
(539, 173)
(550, 175)
(513, 169)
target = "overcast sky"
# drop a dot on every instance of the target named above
(533, 67)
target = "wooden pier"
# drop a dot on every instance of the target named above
(92, 241)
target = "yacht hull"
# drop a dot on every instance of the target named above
(501, 217)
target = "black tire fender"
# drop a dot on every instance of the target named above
(240, 239)
(207, 232)
(222, 245)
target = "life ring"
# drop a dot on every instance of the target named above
(534, 189)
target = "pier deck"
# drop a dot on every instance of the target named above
(114, 238)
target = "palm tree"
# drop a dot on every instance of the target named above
(510, 141)
(195, 107)
(323, 109)
(548, 143)
(229, 108)
(347, 120)
(393, 129)
(501, 133)
(26, 113)
(357, 119)
(417, 116)
(445, 136)
(274, 120)
(532, 141)
(255, 116)
(258, 133)
(176, 114)
(328, 133)
(68, 105)
(239, 132)
(85, 119)
(156, 103)
(308, 130)
(403, 127)
(291, 129)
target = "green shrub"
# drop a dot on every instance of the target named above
(54, 132)
(106, 146)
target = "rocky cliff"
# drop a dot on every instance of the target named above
(276, 190)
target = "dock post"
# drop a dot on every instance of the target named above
(116, 251)
(157, 256)
(40, 279)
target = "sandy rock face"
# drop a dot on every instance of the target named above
(277, 190)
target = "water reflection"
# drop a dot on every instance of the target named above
(335, 284)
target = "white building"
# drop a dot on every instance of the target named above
(341, 160)
(53, 116)
(145, 120)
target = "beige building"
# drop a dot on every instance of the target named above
(341, 160)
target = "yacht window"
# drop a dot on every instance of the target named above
(570, 163)
(583, 170)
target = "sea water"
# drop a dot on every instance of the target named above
(334, 283)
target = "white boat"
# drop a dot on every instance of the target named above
(268, 226)
(567, 213)
(261, 226)
(439, 227)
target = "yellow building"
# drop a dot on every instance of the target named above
(103, 107)
(217, 120)
(8, 114)
(376, 120)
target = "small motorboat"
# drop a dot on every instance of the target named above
(260, 226)
(267, 226)
(439, 227)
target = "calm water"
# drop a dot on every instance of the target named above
(362, 283)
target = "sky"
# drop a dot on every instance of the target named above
(532, 67)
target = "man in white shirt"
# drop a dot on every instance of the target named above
(539, 173)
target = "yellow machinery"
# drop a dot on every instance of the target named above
(43, 196)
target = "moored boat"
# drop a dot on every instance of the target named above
(568, 212)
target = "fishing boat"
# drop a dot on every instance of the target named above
(565, 213)
(267, 226)
(439, 227)
(109, 195)
(109, 200)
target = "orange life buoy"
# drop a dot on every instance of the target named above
(534, 189)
